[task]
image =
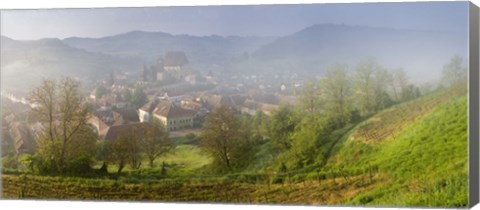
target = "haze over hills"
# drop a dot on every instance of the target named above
(150, 46)
(25, 63)
(307, 52)
(156, 108)
(421, 53)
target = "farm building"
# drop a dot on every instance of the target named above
(171, 115)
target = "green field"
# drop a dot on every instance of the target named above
(183, 159)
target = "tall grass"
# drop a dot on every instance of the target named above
(427, 162)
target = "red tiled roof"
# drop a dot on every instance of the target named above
(109, 117)
(21, 136)
(128, 114)
(116, 131)
(170, 110)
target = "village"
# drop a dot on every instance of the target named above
(170, 92)
(304, 104)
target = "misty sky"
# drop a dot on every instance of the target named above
(231, 20)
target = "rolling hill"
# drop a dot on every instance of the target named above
(25, 63)
(317, 47)
(421, 151)
(150, 46)
(307, 52)
(425, 165)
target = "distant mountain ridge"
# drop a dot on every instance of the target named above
(308, 52)
(150, 46)
(25, 63)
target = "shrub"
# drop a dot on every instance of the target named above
(79, 166)
(10, 162)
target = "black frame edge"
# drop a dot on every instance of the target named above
(474, 92)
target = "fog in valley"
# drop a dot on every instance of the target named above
(301, 41)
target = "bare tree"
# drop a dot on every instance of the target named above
(45, 96)
(73, 113)
(61, 110)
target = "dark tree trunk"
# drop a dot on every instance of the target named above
(104, 168)
(121, 165)
(151, 162)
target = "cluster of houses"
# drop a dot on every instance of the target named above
(175, 113)
(17, 134)
(117, 96)
(177, 108)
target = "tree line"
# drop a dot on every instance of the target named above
(68, 144)
(302, 134)
(297, 136)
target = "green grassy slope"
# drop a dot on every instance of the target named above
(424, 159)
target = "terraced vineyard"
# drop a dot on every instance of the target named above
(330, 191)
(387, 124)
(426, 161)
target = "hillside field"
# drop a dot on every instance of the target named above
(412, 154)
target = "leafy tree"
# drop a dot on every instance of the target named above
(223, 138)
(381, 97)
(399, 83)
(246, 147)
(455, 73)
(155, 142)
(371, 85)
(127, 148)
(103, 154)
(282, 125)
(365, 85)
(259, 125)
(311, 134)
(410, 92)
(336, 88)
(310, 98)
(120, 151)
(67, 137)
(135, 146)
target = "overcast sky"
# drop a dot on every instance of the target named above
(231, 20)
